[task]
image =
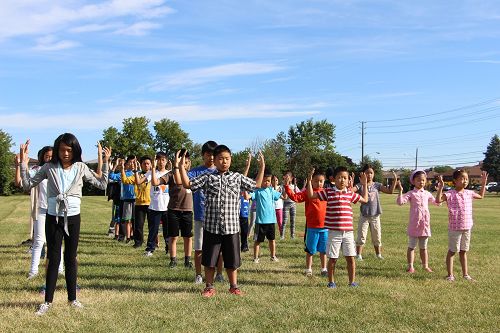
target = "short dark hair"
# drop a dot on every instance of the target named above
(329, 172)
(268, 173)
(71, 141)
(161, 154)
(208, 147)
(129, 158)
(318, 172)
(367, 166)
(338, 170)
(41, 154)
(144, 158)
(184, 152)
(459, 172)
(220, 149)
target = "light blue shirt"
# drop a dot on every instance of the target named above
(66, 177)
(264, 202)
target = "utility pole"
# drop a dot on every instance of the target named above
(416, 159)
(362, 142)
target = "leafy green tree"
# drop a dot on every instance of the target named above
(170, 137)
(111, 138)
(491, 162)
(442, 168)
(135, 138)
(6, 164)
(307, 134)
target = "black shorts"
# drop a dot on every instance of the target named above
(263, 231)
(179, 220)
(214, 244)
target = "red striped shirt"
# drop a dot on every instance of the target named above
(338, 209)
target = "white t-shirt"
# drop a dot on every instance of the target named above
(278, 204)
(42, 189)
(159, 194)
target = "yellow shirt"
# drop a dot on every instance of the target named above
(142, 195)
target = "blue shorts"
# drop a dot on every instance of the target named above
(316, 239)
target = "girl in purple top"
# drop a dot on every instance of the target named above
(419, 226)
(460, 221)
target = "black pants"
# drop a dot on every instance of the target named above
(140, 215)
(244, 232)
(54, 233)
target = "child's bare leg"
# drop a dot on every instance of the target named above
(188, 244)
(309, 260)
(378, 249)
(272, 248)
(128, 226)
(322, 258)
(449, 262)
(256, 249)
(351, 268)
(197, 262)
(463, 262)
(331, 269)
(232, 276)
(424, 257)
(117, 229)
(359, 250)
(172, 246)
(220, 261)
(209, 276)
(410, 256)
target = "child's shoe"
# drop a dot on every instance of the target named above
(359, 257)
(148, 253)
(208, 292)
(256, 260)
(308, 272)
(353, 284)
(235, 291)
(219, 277)
(42, 290)
(450, 278)
(32, 275)
(324, 272)
(76, 304)
(379, 256)
(198, 279)
(428, 269)
(469, 278)
(331, 285)
(274, 258)
(410, 270)
(43, 308)
(173, 263)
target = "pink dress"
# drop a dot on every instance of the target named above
(420, 218)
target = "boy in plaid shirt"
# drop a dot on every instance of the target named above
(221, 228)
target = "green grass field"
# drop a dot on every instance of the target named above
(124, 291)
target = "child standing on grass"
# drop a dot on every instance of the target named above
(278, 204)
(460, 221)
(289, 209)
(338, 221)
(65, 174)
(419, 226)
(221, 225)
(315, 211)
(370, 212)
(244, 212)
(265, 222)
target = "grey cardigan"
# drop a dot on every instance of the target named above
(49, 171)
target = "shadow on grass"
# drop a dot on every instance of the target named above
(142, 289)
(26, 305)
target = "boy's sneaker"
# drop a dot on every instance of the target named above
(379, 256)
(282, 237)
(353, 284)
(235, 291)
(324, 272)
(32, 275)
(76, 304)
(148, 253)
(42, 290)
(245, 249)
(208, 292)
(331, 285)
(219, 277)
(127, 241)
(136, 245)
(359, 257)
(274, 258)
(43, 308)
(173, 264)
(469, 278)
(256, 260)
(450, 278)
(198, 279)
(308, 272)
(188, 264)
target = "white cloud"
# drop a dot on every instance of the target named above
(156, 111)
(50, 43)
(200, 76)
(496, 62)
(96, 27)
(138, 29)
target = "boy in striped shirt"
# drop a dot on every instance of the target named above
(339, 221)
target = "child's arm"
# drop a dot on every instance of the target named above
(122, 172)
(440, 196)
(364, 183)
(27, 181)
(246, 196)
(247, 164)
(484, 180)
(310, 193)
(175, 168)
(387, 189)
(17, 162)
(154, 181)
(262, 166)
(401, 199)
(297, 197)
(183, 173)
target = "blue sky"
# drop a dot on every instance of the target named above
(240, 72)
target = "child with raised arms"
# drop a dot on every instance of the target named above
(419, 226)
(459, 201)
(370, 212)
(221, 225)
(315, 211)
(338, 221)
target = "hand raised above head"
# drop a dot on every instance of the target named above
(24, 152)
(260, 159)
(362, 178)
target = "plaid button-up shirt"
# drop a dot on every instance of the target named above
(222, 200)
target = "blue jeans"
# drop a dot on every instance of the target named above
(154, 219)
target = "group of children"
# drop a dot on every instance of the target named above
(214, 202)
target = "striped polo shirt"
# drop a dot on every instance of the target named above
(338, 209)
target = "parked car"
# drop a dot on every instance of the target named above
(495, 188)
(490, 184)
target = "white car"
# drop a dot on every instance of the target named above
(490, 184)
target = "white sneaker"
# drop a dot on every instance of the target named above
(198, 279)
(308, 272)
(274, 258)
(76, 304)
(359, 257)
(219, 277)
(32, 275)
(379, 256)
(282, 238)
(256, 260)
(148, 254)
(324, 272)
(42, 309)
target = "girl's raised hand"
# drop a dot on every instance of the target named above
(260, 159)
(169, 165)
(24, 152)
(107, 153)
(398, 185)
(287, 179)
(249, 159)
(484, 178)
(154, 164)
(440, 182)
(311, 173)
(362, 178)
(178, 157)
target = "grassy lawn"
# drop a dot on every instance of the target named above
(125, 291)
